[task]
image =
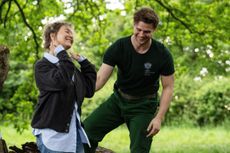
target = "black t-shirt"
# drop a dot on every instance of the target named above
(138, 74)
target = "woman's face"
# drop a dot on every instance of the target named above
(64, 37)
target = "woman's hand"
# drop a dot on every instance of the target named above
(53, 45)
(74, 55)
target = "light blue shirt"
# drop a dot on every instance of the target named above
(63, 142)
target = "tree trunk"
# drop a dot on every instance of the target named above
(4, 65)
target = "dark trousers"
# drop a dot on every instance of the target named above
(115, 111)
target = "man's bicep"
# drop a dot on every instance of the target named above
(103, 75)
(167, 80)
(105, 71)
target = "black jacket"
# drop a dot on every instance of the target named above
(59, 92)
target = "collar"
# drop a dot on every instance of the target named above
(51, 58)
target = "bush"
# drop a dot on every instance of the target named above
(212, 102)
(182, 101)
(17, 109)
(200, 102)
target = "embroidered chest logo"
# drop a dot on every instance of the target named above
(147, 69)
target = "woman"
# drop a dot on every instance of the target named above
(62, 88)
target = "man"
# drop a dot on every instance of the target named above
(141, 62)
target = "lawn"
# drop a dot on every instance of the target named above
(176, 140)
(169, 140)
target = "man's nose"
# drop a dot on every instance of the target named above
(142, 33)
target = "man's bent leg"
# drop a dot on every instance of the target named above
(91, 149)
(138, 132)
(104, 119)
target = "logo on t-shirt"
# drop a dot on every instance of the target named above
(147, 68)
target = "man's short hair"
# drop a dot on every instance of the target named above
(146, 15)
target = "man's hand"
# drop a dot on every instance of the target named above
(154, 127)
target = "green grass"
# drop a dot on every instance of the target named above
(169, 140)
(12, 137)
(176, 140)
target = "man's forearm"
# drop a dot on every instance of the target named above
(165, 100)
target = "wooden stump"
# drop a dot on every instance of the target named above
(4, 65)
(3, 147)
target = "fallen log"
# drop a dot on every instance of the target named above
(31, 147)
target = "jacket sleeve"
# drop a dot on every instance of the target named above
(51, 77)
(89, 74)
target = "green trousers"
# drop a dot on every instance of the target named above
(115, 111)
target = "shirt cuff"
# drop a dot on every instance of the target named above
(58, 49)
(81, 58)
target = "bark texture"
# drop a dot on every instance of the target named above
(4, 65)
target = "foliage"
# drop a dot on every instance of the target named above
(200, 102)
(196, 32)
(17, 110)
(212, 102)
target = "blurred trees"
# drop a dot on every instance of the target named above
(196, 32)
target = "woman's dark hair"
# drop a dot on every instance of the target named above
(146, 15)
(52, 28)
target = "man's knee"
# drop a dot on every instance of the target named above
(141, 144)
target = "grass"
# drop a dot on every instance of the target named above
(175, 140)
(12, 137)
(169, 140)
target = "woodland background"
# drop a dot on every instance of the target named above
(197, 32)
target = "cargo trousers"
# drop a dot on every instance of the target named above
(116, 110)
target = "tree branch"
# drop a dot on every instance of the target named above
(32, 30)
(186, 25)
(174, 16)
(1, 5)
(8, 10)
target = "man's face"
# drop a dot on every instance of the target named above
(143, 32)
